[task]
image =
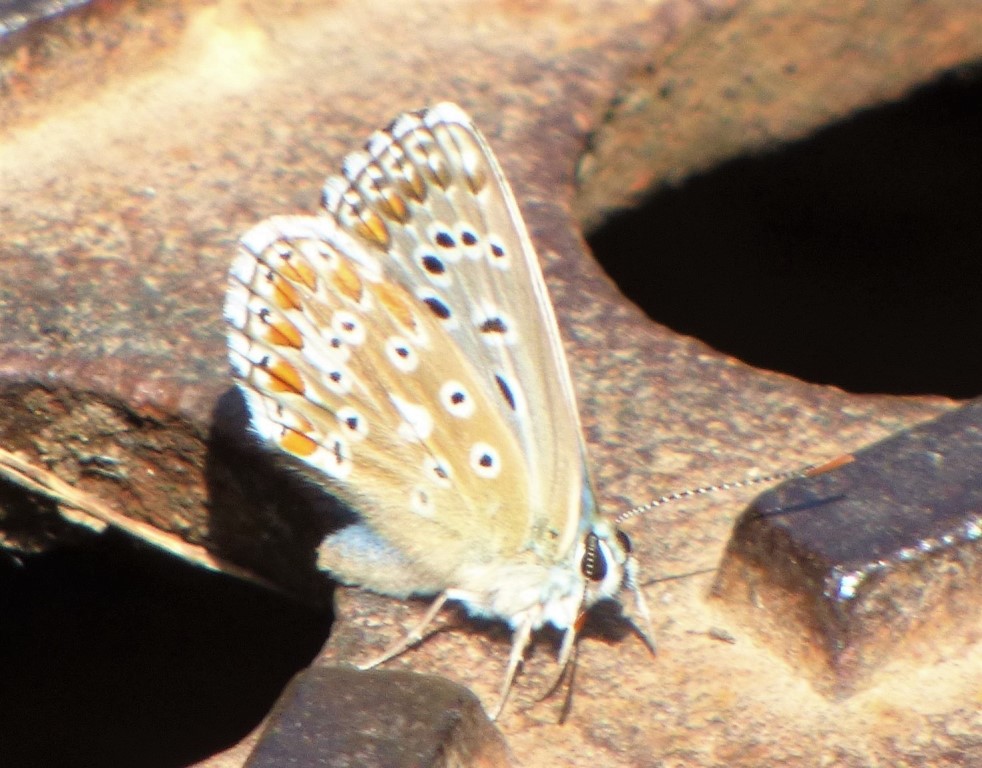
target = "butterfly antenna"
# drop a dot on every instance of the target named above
(809, 471)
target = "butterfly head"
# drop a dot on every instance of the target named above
(603, 556)
(608, 566)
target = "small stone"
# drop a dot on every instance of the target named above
(334, 716)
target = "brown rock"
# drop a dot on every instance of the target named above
(875, 567)
(338, 716)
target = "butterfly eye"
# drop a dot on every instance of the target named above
(594, 564)
(624, 541)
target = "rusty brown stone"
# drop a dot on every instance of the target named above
(756, 76)
(877, 565)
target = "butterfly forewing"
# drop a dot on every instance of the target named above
(428, 197)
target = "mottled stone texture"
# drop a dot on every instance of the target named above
(759, 75)
(137, 140)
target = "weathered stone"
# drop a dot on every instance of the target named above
(339, 717)
(872, 566)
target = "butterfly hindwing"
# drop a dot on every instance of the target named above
(349, 373)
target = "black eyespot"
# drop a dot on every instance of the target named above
(402, 352)
(484, 461)
(497, 251)
(352, 422)
(594, 564)
(505, 391)
(469, 238)
(433, 265)
(444, 240)
(334, 376)
(457, 398)
(624, 540)
(437, 307)
(493, 325)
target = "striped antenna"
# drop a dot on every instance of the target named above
(809, 471)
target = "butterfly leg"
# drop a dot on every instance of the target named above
(411, 638)
(566, 649)
(642, 624)
(520, 641)
(563, 661)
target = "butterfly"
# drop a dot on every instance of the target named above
(402, 345)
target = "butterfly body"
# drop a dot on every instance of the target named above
(401, 345)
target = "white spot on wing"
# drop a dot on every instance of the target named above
(457, 399)
(421, 502)
(438, 470)
(495, 327)
(401, 354)
(348, 327)
(417, 422)
(354, 424)
(334, 457)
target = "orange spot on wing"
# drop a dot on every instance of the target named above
(371, 227)
(394, 206)
(284, 334)
(285, 378)
(285, 295)
(346, 281)
(396, 306)
(297, 443)
(476, 180)
(412, 186)
(295, 268)
(439, 172)
(307, 274)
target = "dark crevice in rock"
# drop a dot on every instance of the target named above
(850, 258)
